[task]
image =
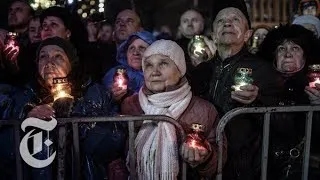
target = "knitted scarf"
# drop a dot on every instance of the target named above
(156, 143)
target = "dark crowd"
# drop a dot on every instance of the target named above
(57, 65)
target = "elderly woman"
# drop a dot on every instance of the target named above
(292, 50)
(129, 57)
(167, 92)
(101, 143)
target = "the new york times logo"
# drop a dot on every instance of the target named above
(37, 141)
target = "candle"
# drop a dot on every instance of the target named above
(61, 89)
(242, 78)
(11, 42)
(196, 139)
(313, 84)
(196, 47)
(314, 75)
(196, 145)
(121, 78)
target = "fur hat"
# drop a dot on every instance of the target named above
(168, 48)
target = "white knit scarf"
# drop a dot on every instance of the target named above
(156, 143)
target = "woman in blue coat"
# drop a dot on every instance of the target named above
(100, 143)
(129, 57)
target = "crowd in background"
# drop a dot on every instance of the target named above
(118, 68)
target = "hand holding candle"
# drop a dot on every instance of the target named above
(11, 49)
(196, 149)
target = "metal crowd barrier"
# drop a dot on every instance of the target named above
(266, 126)
(75, 122)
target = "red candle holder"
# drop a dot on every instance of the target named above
(11, 41)
(196, 138)
(121, 78)
(314, 75)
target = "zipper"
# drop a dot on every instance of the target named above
(217, 82)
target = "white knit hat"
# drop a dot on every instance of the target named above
(168, 48)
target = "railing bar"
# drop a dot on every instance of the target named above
(17, 151)
(132, 154)
(307, 146)
(61, 152)
(75, 131)
(265, 146)
(220, 154)
(184, 170)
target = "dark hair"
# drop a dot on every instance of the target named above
(295, 33)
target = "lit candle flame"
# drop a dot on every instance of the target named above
(60, 92)
(237, 87)
(313, 84)
(198, 49)
(121, 83)
(193, 143)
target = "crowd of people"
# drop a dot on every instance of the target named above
(107, 68)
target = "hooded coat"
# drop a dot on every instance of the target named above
(135, 76)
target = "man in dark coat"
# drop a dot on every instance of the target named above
(214, 79)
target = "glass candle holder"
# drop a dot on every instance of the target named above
(197, 47)
(196, 138)
(61, 88)
(314, 75)
(242, 78)
(121, 78)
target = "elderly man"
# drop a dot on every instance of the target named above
(127, 23)
(214, 80)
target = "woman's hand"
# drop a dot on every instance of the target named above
(117, 92)
(247, 94)
(194, 156)
(313, 93)
(44, 112)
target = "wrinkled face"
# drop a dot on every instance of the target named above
(311, 10)
(54, 27)
(35, 30)
(231, 27)
(135, 52)
(19, 15)
(105, 33)
(311, 27)
(127, 23)
(53, 63)
(261, 33)
(160, 72)
(289, 57)
(191, 23)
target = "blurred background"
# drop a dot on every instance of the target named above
(155, 13)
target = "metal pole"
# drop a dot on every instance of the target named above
(132, 154)
(307, 146)
(75, 131)
(265, 146)
(17, 151)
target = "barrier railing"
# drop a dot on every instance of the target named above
(75, 122)
(266, 126)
